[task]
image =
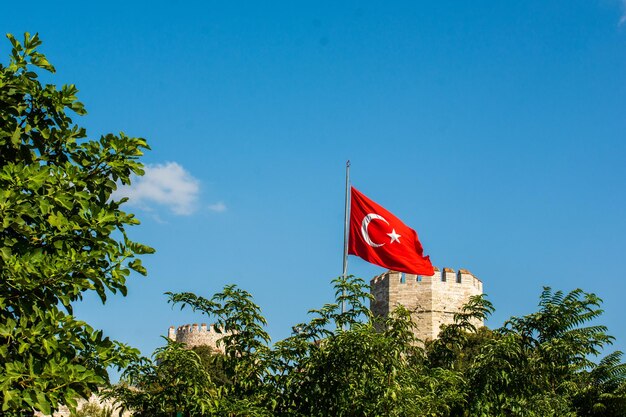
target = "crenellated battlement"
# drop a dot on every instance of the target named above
(196, 335)
(446, 276)
(433, 300)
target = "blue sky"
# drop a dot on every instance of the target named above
(496, 129)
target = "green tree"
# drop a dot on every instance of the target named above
(175, 382)
(349, 363)
(244, 368)
(61, 234)
(346, 363)
(602, 390)
(214, 362)
(457, 343)
(536, 365)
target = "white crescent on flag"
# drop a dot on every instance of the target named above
(365, 223)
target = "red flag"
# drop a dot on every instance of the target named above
(381, 238)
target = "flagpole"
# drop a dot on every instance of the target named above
(346, 232)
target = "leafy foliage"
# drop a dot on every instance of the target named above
(535, 364)
(61, 235)
(602, 391)
(245, 344)
(354, 369)
(174, 381)
(353, 364)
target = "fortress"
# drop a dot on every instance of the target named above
(433, 301)
(194, 335)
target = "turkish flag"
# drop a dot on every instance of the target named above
(381, 238)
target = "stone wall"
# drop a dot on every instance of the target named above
(432, 300)
(194, 335)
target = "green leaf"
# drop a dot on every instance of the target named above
(43, 404)
(59, 238)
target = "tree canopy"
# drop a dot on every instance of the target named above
(61, 235)
(354, 364)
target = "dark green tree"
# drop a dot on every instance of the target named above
(61, 234)
(214, 362)
(602, 390)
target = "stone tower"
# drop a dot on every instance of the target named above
(432, 300)
(194, 335)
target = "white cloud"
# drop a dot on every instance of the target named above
(623, 18)
(168, 185)
(218, 207)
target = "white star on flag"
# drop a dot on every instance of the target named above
(394, 236)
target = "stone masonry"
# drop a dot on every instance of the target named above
(194, 335)
(431, 300)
